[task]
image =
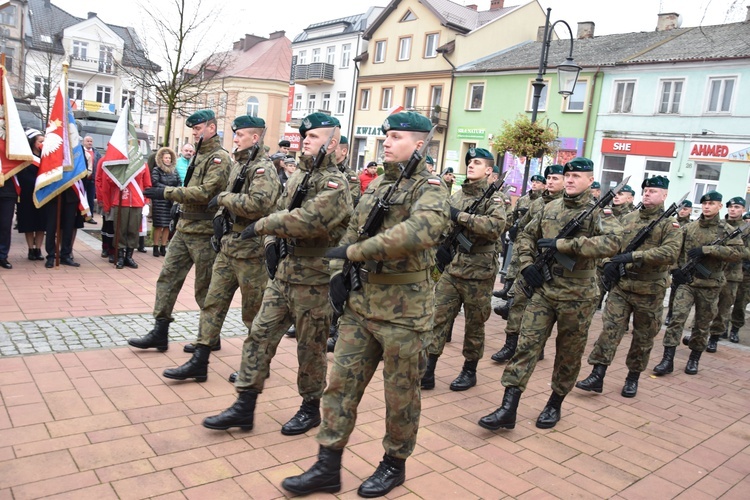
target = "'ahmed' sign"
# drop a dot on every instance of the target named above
(719, 151)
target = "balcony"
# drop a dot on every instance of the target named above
(436, 114)
(299, 114)
(314, 73)
(103, 66)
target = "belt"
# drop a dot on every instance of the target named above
(306, 251)
(562, 272)
(198, 215)
(645, 276)
(393, 278)
(238, 228)
(477, 249)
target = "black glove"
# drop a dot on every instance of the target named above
(338, 292)
(218, 224)
(513, 232)
(214, 203)
(454, 214)
(695, 253)
(612, 271)
(622, 258)
(249, 232)
(272, 260)
(155, 193)
(546, 243)
(337, 253)
(533, 276)
(443, 257)
(680, 277)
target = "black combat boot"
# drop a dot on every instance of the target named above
(332, 338)
(551, 413)
(162, 250)
(324, 475)
(307, 417)
(292, 332)
(428, 380)
(686, 340)
(595, 381)
(191, 347)
(666, 365)
(390, 473)
(233, 377)
(725, 333)
(503, 293)
(196, 367)
(158, 337)
(129, 262)
(156, 251)
(692, 365)
(467, 378)
(240, 414)
(505, 416)
(504, 310)
(713, 343)
(630, 389)
(120, 259)
(734, 335)
(508, 350)
(142, 244)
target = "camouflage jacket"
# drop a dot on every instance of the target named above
(353, 180)
(600, 236)
(318, 224)
(212, 166)
(733, 271)
(700, 233)
(621, 211)
(655, 256)
(683, 221)
(256, 199)
(534, 208)
(482, 228)
(522, 207)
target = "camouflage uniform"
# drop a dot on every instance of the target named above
(733, 275)
(743, 296)
(682, 221)
(353, 181)
(520, 215)
(240, 262)
(384, 319)
(620, 211)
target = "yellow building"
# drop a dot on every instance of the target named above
(413, 48)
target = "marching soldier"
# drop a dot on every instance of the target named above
(640, 292)
(683, 218)
(239, 263)
(191, 243)
(342, 150)
(622, 204)
(596, 190)
(568, 299)
(743, 296)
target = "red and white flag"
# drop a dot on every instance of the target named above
(15, 152)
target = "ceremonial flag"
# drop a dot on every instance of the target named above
(123, 159)
(15, 152)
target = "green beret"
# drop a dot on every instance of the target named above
(317, 120)
(594, 185)
(627, 189)
(343, 140)
(478, 153)
(711, 196)
(579, 164)
(746, 216)
(408, 121)
(538, 178)
(448, 170)
(687, 203)
(495, 169)
(553, 169)
(246, 121)
(429, 160)
(736, 201)
(200, 116)
(657, 181)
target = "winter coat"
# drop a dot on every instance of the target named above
(163, 176)
(132, 195)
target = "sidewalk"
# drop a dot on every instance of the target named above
(91, 419)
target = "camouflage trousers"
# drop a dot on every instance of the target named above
(573, 318)
(740, 303)
(705, 300)
(727, 295)
(512, 271)
(646, 310)
(361, 345)
(184, 251)
(229, 273)
(450, 294)
(284, 304)
(515, 315)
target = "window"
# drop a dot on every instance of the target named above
(613, 168)
(431, 45)
(656, 167)
(297, 101)
(623, 97)
(127, 96)
(326, 103)
(41, 86)
(577, 101)
(671, 94)
(379, 52)
(222, 105)
(105, 59)
(331, 55)
(103, 94)
(9, 53)
(387, 100)
(410, 97)
(437, 96)
(253, 106)
(380, 150)
(75, 90)
(341, 103)
(409, 16)
(476, 96)
(346, 54)
(315, 55)
(720, 94)
(706, 179)
(8, 15)
(364, 99)
(80, 49)
(302, 57)
(311, 98)
(404, 48)
(211, 102)
(542, 99)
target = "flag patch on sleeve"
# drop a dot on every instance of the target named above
(676, 225)
(497, 200)
(434, 182)
(607, 211)
(352, 178)
(332, 185)
(217, 160)
(260, 171)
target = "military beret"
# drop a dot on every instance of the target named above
(594, 185)
(32, 132)
(448, 170)
(246, 121)
(429, 160)
(746, 216)
(657, 181)
(553, 170)
(579, 164)
(277, 156)
(289, 159)
(539, 178)
(495, 169)
(711, 196)
(627, 189)
(343, 140)
(317, 120)
(687, 203)
(200, 116)
(478, 153)
(408, 121)
(737, 200)
(372, 164)
(285, 144)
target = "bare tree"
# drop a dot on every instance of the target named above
(44, 72)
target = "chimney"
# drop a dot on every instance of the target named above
(747, 17)
(540, 34)
(249, 41)
(472, 6)
(585, 30)
(496, 4)
(276, 34)
(92, 14)
(668, 21)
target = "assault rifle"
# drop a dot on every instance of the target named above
(224, 223)
(543, 261)
(375, 220)
(695, 265)
(639, 239)
(176, 211)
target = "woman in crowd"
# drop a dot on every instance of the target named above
(163, 175)
(30, 219)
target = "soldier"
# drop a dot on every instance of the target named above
(342, 150)
(517, 301)
(683, 218)
(299, 291)
(596, 190)
(191, 243)
(743, 296)
(430, 164)
(640, 292)
(732, 274)
(622, 204)
(239, 263)
(449, 178)
(468, 277)
(568, 299)
(703, 291)
(388, 318)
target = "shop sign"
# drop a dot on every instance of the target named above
(639, 148)
(368, 130)
(720, 151)
(471, 133)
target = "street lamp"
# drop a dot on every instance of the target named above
(567, 76)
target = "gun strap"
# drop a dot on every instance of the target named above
(477, 249)
(631, 275)
(197, 216)
(393, 278)
(564, 273)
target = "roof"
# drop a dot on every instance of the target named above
(725, 41)
(269, 59)
(352, 24)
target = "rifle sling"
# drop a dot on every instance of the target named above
(393, 278)
(564, 273)
(477, 249)
(645, 276)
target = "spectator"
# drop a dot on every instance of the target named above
(92, 157)
(8, 197)
(108, 225)
(186, 154)
(30, 219)
(288, 168)
(284, 146)
(163, 175)
(449, 178)
(368, 175)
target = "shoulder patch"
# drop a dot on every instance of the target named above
(260, 171)
(498, 200)
(434, 182)
(332, 185)
(217, 160)
(607, 211)
(353, 178)
(676, 225)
